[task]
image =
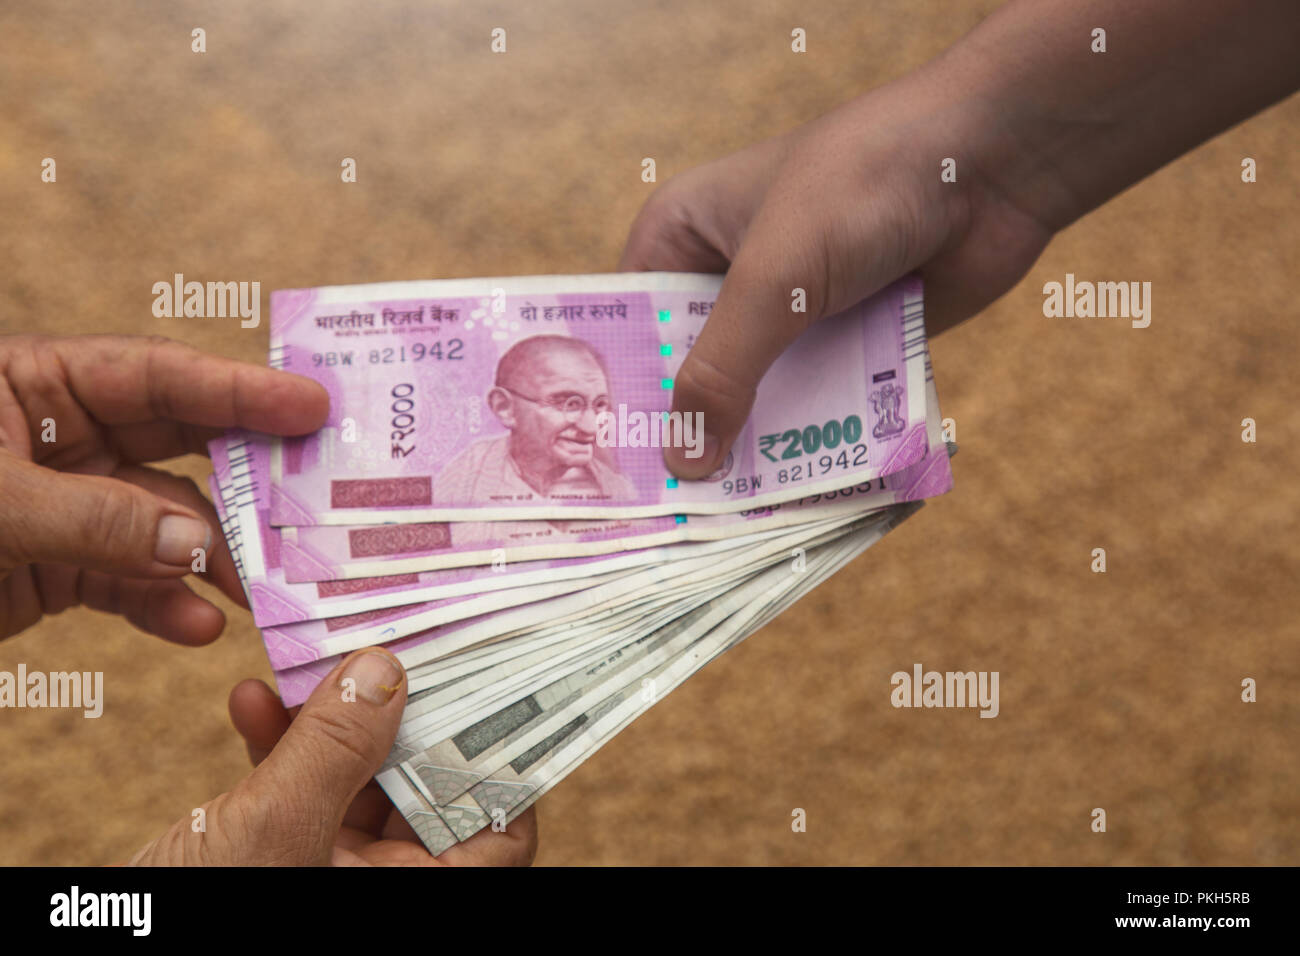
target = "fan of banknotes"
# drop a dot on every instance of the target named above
(489, 501)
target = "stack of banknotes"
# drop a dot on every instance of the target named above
(489, 501)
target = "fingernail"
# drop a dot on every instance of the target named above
(377, 676)
(178, 536)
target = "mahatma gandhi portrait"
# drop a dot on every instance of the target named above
(549, 393)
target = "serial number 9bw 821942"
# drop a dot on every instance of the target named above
(393, 354)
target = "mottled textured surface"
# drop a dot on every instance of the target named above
(1118, 691)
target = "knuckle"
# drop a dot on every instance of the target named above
(157, 346)
(22, 524)
(333, 730)
(11, 501)
(264, 827)
(40, 374)
(669, 206)
(116, 517)
(181, 845)
(669, 193)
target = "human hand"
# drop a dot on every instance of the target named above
(82, 519)
(838, 208)
(310, 799)
(1042, 125)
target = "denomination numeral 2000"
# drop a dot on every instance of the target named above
(812, 439)
(403, 421)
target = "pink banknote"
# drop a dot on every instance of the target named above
(547, 397)
(299, 668)
(288, 645)
(241, 471)
(325, 585)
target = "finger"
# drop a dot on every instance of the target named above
(345, 854)
(295, 800)
(515, 846)
(390, 853)
(396, 827)
(93, 522)
(167, 609)
(370, 810)
(154, 441)
(665, 235)
(123, 380)
(218, 564)
(258, 716)
(21, 602)
(751, 324)
(797, 251)
(695, 221)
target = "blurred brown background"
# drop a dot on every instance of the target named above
(1119, 690)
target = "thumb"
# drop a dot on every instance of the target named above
(751, 324)
(94, 522)
(293, 803)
